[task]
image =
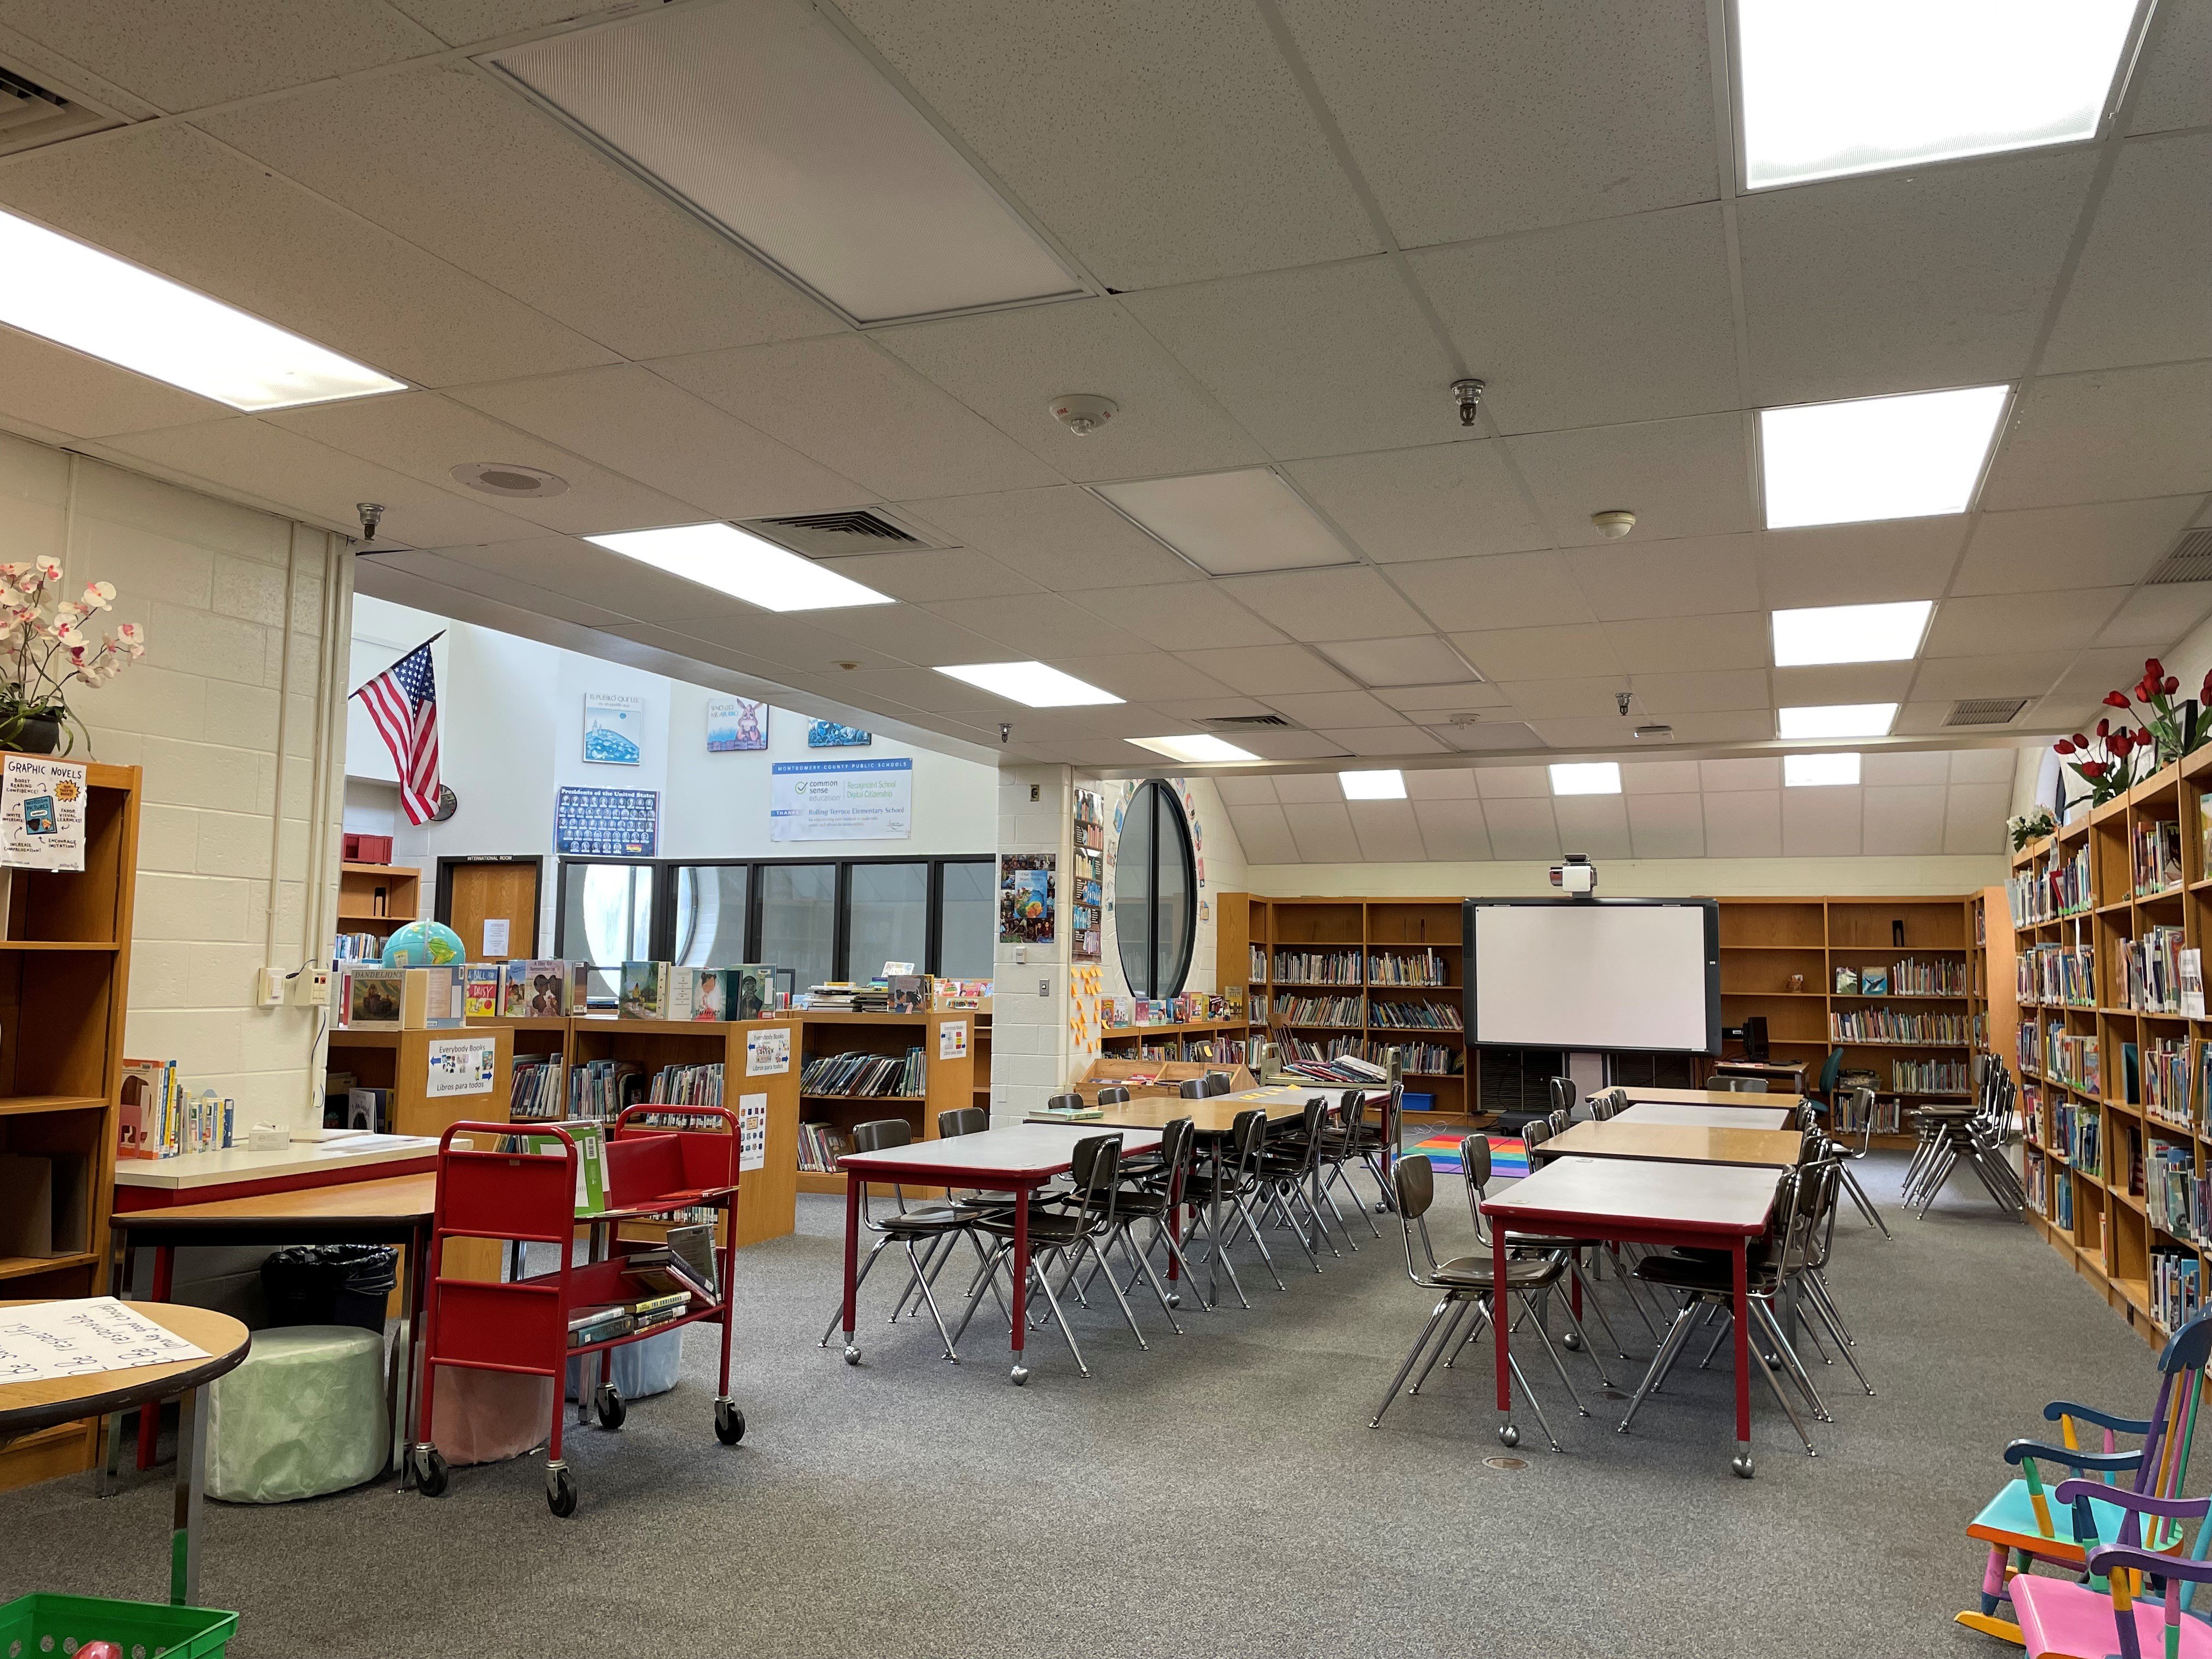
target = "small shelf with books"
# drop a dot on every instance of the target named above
(373, 896)
(839, 1051)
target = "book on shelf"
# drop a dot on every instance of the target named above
(1317, 967)
(1319, 1011)
(2150, 970)
(1896, 1025)
(480, 990)
(543, 988)
(599, 1088)
(379, 999)
(2166, 1080)
(644, 990)
(1913, 977)
(159, 1116)
(2155, 846)
(1414, 967)
(820, 1146)
(1390, 1014)
(1873, 981)
(865, 1075)
(536, 1092)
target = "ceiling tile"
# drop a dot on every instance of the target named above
(1590, 732)
(1903, 280)
(458, 22)
(1321, 360)
(1288, 745)
(1347, 602)
(1724, 726)
(860, 412)
(1522, 828)
(1387, 831)
(1859, 563)
(1239, 789)
(1384, 741)
(1821, 823)
(1300, 788)
(2109, 544)
(1420, 660)
(174, 199)
(1616, 319)
(1659, 777)
(1319, 708)
(1566, 699)
(456, 163)
(903, 633)
(1440, 783)
(560, 564)
(628, 418)
(2002, 674)
(1436, 500)
(2106, 436)
(1984, 765)
(2156, 618)
(924, 689)
(927, 573)
(2142, 290)
(208, 51)
(1038, 625)
(1266, 671)
(1423, 701)
(1063, 539)
(1504, 590)
(1513, 783)
(1743, 823)
(1594, 824)
(1323, 832)
(1686, 478)
(531, 597)
(1669, 578)
(2174, 90)
(1190, 616)
(1849, 682)
(1541, 131)
(1975, 820)
(64, 390)
(1264, 833)
(425, 435)
(1667, 826)
(1491, 736)
(1092, 119)
(1140, 677)
(1724, 776)
(1699, 693)
(1534, 653)
(1683, 644)
(1453, 831)
(801, 649)
(2020, 622)
(2093, 672)
(1886, 767)
(995, 363)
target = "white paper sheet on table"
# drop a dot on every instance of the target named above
(74, 1338)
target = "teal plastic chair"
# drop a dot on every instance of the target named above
(1831, 1069)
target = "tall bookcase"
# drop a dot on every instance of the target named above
(64, 984)
(2114, 1078)
(948, 1079)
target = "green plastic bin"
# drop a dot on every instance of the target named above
(34, 1626)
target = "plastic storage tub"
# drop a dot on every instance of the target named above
(1413, 1103)
(33, 1626)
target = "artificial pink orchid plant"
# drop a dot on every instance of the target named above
(48, 644)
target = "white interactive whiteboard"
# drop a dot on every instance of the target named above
(1641, 973)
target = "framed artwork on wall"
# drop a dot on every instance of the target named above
(735, 724)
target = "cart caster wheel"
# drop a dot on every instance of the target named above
(729, 1422)
(852, 1355)
(611, 1409)
(1508, 1435)
(429, 1472)
(1741, 1464)
(1021, 1374)
(561, 1493)
(1572, 1342)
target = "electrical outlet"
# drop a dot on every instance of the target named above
(271, 991)
(310, 988)
(1021, 956)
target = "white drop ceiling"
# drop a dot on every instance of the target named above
(1293, 223)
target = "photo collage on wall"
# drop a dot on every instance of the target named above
(1026, 897)
(1086, 876)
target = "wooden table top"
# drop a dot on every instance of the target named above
(395, 1200)
(1710, 1097)
(1029, 1152)
(1704, 1117)
(1676, 1143)
(1793, 1069)
(1212, 1116)
(25, 1407)
(1726, 1200)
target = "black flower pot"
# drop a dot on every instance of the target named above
(38, 734)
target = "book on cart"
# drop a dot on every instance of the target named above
(598, 1324)
(1070, 1113)
(590, 1137)
(691, 1257)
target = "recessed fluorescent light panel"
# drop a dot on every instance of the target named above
(1231, 523)
(727, 559)
(1850, 633)
(1373, 786)
(1818, 771)
(1586, 778)
(1031, 682)
(767, 122)
(1196, 749)
(90, 301)
(1912, 457)
(1835, 87)
(1839, 720)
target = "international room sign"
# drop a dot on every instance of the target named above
(841, 800)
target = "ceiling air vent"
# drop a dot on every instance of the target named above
(1246, 722)
(829, 535)
(1984, 711)
(2189, 562)
(32, 114)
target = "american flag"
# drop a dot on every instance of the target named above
(403, 700)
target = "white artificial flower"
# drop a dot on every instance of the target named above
(97, 596)
(49, 569)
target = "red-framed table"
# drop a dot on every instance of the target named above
(1720, 1097)
(1616, 1200)
(1018, 1159)
(1702, 1117)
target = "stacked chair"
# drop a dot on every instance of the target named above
(1974, 1134)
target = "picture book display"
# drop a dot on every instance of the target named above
(1026, 897)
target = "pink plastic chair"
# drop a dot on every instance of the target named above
(2061, 1618)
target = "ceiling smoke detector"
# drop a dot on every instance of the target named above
(1613, 522)
(1083, 412)
(509, 478)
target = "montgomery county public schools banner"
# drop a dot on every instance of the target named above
(841, 800)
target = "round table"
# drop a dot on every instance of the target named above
(27, 1407)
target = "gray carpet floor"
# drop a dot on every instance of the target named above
(1220, 1495)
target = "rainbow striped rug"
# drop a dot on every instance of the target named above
(1509, 1156)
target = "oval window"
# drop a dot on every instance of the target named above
(1155, 892)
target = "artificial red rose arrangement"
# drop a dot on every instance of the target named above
(2107, 761)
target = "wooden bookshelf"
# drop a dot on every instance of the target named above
(375, 897)
(981, 1054)
(950, 1084)
(64, 986)
(2117, 1227)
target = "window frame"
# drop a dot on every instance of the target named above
(1156, 791)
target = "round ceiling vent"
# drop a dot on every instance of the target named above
(509, 478)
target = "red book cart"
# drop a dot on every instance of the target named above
(521, 1325)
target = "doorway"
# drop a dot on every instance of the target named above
(492, 901)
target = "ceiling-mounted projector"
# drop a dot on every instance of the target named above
(1576, 877)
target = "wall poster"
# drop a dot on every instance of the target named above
(614, 728)
(611, 822)
(734, 725)
(1026, 897)
(841, 800)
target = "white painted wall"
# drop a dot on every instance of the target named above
(1872, 876)
(236, 847)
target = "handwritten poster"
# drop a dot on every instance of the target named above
(42, 813)
(50, 1339)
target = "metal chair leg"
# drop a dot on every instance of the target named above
(1850, 1183)
(1450, 1342)
(1672, 1345)
(1419, 1343)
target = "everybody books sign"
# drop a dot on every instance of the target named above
(841, 800)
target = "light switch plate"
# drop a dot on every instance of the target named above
(1021, 955)
(1044, 987)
